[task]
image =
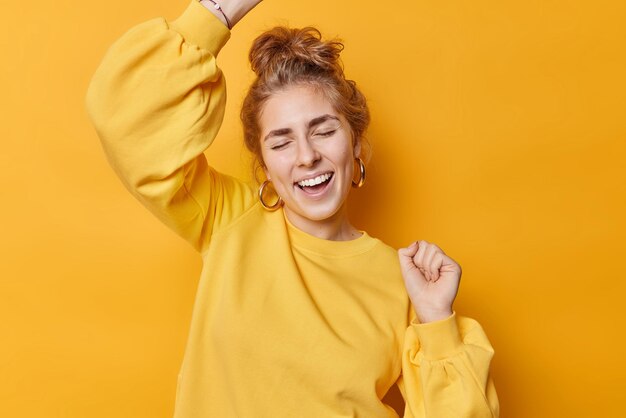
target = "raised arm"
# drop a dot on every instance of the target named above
(157, 102)
(445, 358)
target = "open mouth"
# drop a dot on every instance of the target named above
(315, 185)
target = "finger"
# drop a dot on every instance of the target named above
(410, 250)
(428, 260)
(418, 259)
(428, 256)
(406, 256)
(436, 264)
(450, 265)
(425, 273)
(422, 259)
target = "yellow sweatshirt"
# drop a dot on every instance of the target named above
(284, 324)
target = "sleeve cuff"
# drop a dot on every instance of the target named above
(438, 339)
(200, 27)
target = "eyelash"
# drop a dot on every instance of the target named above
(327, 133)
(277, 147)
(323, 134)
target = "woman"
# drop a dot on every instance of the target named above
(297, 313)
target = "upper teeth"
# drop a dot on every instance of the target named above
(315, 181)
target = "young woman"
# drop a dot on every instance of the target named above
(297, 313)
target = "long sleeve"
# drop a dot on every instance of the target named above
(157, 102)
(445, 370)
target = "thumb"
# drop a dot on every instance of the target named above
(406, 256)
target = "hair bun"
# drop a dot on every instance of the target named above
(283, 49)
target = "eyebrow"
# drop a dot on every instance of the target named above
(312, 123)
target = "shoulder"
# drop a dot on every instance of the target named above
(383, 249)
(384, 255)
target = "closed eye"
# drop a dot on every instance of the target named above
(327, 133)
(280, 146)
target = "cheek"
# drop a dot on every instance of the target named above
(276, 167)
(345, 155)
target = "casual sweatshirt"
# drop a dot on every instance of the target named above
(284, 324)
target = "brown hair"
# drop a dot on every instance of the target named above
(282, 57)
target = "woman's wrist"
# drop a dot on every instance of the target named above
(211, 8)
(214, 7)
(425, 316)
(234, 10)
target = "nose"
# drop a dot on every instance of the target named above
(307, 154)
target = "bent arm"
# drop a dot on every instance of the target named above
(157, 102)
(445, 370)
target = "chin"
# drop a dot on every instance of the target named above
(317, 211)
(318, 215)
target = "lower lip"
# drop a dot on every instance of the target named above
(320, 193)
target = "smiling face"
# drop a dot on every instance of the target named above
(308, 152)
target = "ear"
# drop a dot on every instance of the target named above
(258, 165)
(267, 173)
(357, 147)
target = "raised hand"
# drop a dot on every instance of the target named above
(431, 279)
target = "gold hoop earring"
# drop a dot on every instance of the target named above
(273, 207)
(361, 181)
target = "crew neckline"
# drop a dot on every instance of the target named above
(326, 247)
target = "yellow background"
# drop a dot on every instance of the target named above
(498, 133)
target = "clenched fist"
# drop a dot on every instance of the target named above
(431, 279)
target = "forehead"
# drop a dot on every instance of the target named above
(294, 106)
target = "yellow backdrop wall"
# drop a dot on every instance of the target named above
(498, 133)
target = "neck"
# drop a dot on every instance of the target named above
(335, 228)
